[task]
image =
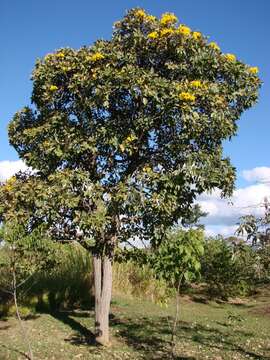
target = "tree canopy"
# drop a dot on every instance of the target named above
(125, 133)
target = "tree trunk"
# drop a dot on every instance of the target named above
(103, 292)
(176, 318)
(24, 333)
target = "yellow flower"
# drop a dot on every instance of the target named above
(53, 88)
(168, 19)
(166, 32)
(140, 14)
(214, 46)
(184, 30)
(196, 84)
(146, 169)
(185, 96)
(60, 55)
(96, 57)
(131, 138)
(196, 35)
(230, 57)
(253, 70)
(9, 183)
(153, 35)
(150, 18)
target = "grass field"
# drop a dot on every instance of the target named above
(140, 330)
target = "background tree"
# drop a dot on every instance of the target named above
(256, 228)
(23, 255)
(228, 269)
(124, 135)
(193, 220)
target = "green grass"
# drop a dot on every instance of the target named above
(140, 330)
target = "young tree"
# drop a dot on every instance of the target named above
(177, 261)
(24, 255)
(124, 135)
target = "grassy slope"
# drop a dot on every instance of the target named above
(140, 331)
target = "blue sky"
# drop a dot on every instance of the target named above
(29, 29)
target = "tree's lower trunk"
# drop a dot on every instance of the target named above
(103, 292)
(176, 318)
(24, 333)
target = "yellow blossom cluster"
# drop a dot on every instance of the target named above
(196, 35)
(230, 57)
(196, 84)
(184, 30)
(60, 55)
(147, 169)
(166, 32)
(214, 46)
(185, 96)
(150, 18)
(53, 88)
(253, 70)
(140, 14)
(168, 19)
(96, 57)
(153, 35)
(10, 183)
(131, 138)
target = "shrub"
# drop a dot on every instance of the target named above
(228, 270)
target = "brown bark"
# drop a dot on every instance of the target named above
(103, 291)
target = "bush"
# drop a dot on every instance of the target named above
(228, 270)
(263, 265)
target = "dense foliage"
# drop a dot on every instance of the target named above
(124, 134)
(22, 255)
(229, 269)
(178, 258)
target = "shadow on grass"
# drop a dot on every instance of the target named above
(214, 338)
(82, 336)
(12, 349)
(151, 337)
(4, 327)
(30, 317)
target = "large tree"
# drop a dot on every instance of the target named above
(124, 135)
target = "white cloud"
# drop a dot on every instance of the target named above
(8, 168)
(223, 214)
(220, 229)
(259, 174)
